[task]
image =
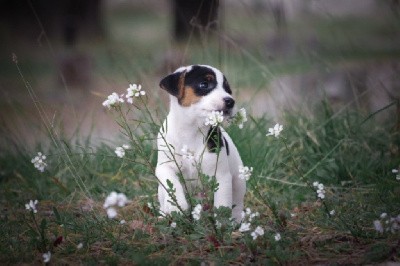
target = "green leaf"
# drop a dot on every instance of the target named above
(169, 184)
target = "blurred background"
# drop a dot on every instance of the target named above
(59, 60)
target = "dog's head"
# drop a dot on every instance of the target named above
(200, 88)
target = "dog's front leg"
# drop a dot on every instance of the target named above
(223, 195)
(170, 197)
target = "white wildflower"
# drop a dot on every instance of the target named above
(79, 246)
(122, 221)
(244, 227)
(173, 225)
(120, 152)
(197, 211)
(46, 257)
(275, 131)
(257, 232)
(253, 215)
(394, 224)
(245, 172)
(320, 190)
(214, 118)
(122, 200)
(247, 219)
(246, 212)
(239, 118)
(114, 199)
(39, 162)
(111, 200)
(277, 237)
(187, 154)
(31, 206)
(112, 213)
(134, 90)
(378, 226)
(332, 212)
(396, 172)
(113, 100)
(249, 215)
(242, 117)
(387, 223)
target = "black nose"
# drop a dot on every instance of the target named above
(229, 102)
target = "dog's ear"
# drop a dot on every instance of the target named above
(173, 83)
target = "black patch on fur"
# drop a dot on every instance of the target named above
(214, 140)
(227, 147)
(202, 79)
(226, 86)
(170, 83)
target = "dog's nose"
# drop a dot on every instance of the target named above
(229, 102)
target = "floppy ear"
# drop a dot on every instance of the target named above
(173, 83)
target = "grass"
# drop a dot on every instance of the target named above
(351, 157)
(349, 152)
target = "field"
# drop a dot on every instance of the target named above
(325, 191)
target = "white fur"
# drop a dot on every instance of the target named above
(185, 126)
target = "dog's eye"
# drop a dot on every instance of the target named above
(203, 85)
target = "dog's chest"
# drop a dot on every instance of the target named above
(190, 149)
(191, 156)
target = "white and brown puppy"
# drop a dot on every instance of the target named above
(195, 91)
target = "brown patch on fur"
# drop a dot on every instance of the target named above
(181, 85)
(189, 97)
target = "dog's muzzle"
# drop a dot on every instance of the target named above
(229, 103)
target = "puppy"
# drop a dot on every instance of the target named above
(195, 91)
